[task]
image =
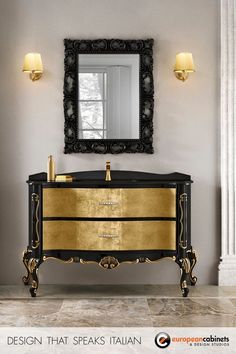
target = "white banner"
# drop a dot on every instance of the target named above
(115, 340)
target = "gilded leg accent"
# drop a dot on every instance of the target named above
(33, 268)
(193, 260)
(184, 268)
(25, 260)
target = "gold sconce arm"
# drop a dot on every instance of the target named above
(34, 76)
(182, 75)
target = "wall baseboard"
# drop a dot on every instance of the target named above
(227, 271)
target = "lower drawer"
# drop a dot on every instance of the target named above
(109, 235)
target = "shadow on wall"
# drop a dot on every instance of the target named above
(13, 200)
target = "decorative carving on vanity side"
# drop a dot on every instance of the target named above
(183, 210)
(184, 269)
(193, 260)
(33, 269)
(26, 277)
(185, 264)
(35, 219)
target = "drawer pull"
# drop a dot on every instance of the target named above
(108, 202)
(108, 236)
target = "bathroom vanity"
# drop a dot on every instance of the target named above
(136, 217)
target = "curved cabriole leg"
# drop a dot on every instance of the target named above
(35, 283)
(183, 284)
(26, 277)
(33, 268)
(193, 260)
(184, 268)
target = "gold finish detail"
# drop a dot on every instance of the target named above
(108, 236)
(109, 202)
(70, 260)
(184, 270)
(132, 262)
(110, 262)
(182, 242)
(107, 262)
(147, 260)
(182, 75)
(34, 284)
(64, 178)
(35, 197)
(108, 171)
(82, 261)
(26, 277)
(184, 284)
(35, 76)
(32, 264)
(51, 169)
(192, 255)
(185, 264)
(131, 235)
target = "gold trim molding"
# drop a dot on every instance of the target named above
(110, 262)
(32, 264)
(35, 198)
(192, 256)
(185, 265)
(182, 199)
(70, 260)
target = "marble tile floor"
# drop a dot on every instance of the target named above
(118, 306)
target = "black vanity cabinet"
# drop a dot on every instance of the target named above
(136, 217)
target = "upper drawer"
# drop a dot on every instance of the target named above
(110, 202)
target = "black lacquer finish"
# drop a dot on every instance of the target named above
(146, 101)
(184, 255)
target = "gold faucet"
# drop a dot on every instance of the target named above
(108, 171)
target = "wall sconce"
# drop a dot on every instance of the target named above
(183, 66)
(33, 65)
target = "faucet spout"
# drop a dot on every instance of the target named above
(108, 171)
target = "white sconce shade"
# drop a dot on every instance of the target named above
(33, 65)
(183, 65)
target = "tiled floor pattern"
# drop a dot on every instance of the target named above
(118, 306)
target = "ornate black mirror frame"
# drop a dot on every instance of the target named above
(146, 101)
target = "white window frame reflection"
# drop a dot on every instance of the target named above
(102, 132)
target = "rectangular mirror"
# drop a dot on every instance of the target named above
(108, 96)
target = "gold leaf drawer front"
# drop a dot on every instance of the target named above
(110, 202)
(109, 235)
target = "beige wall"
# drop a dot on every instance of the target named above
(186, 119)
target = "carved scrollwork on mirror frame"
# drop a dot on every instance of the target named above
(141, 144)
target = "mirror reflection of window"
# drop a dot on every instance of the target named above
(92, 103)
